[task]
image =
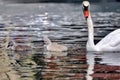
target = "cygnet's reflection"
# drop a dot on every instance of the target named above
(49, 54)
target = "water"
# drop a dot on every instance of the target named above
(64, 24)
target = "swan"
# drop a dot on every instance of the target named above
(111, 42)
(52, 46)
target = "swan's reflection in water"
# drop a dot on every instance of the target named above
(90, 62)
(103, 66)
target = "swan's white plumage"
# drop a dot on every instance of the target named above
(111, 42)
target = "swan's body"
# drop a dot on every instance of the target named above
(110, 43)
(54, 46)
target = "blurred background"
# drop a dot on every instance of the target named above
(40, 6)
(67, 1)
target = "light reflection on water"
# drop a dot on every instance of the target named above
(31, 61)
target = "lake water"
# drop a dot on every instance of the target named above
(26, 24)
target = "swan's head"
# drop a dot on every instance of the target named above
(86, 6)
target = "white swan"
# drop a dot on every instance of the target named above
(52, 46)
(110, 43)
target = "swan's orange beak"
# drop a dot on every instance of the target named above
(86, 11)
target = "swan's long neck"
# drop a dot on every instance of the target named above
(90, 43)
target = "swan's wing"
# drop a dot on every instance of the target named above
(112, 39)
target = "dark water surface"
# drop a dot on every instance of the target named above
(26, 25)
